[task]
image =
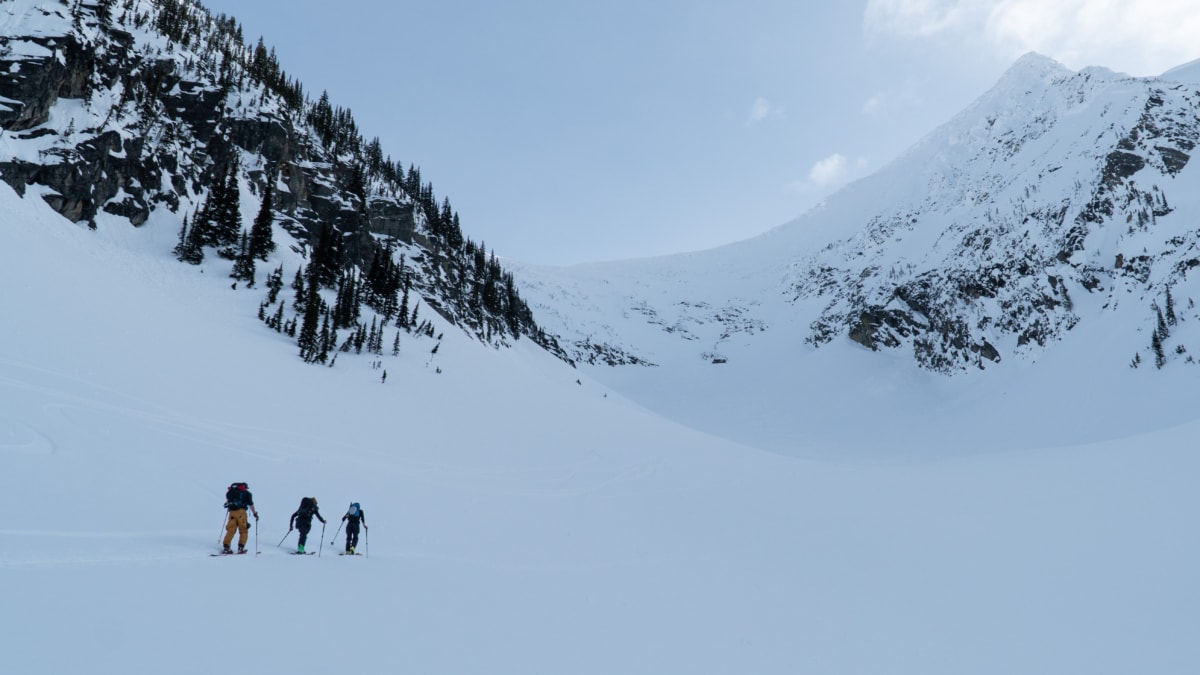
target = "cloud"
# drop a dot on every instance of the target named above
(762, 109)
(831, 172)
(914, 18)
(1135, 36)
(875, 103)
(828, 171)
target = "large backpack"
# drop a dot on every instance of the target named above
(355, 509)
(307, 505)
(235, 496)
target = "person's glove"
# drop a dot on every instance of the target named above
(256, 516)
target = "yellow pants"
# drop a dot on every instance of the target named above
(237, 523)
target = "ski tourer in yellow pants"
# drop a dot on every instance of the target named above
(238, 522)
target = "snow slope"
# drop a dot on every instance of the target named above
(521, 521)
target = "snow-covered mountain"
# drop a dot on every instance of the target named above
(1055, 197)
(1048, 228)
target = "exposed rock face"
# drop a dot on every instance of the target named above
(122, 173)
(31, 85)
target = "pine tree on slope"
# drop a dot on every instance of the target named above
(262, 241)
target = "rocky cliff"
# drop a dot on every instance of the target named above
(135, 107)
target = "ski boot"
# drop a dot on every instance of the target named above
(241, 549)
(226, 550)
(300, 548)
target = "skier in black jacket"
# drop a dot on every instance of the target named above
(302, 519)
(352, 518)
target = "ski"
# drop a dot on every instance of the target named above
(222, 555)
(357, 554)
(304, 552)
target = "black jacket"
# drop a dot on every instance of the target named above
(352, 521)
(302, 518)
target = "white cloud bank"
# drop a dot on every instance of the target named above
(1136, 36)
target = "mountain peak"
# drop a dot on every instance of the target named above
(1036, 67)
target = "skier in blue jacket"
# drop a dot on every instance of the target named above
(352, 519)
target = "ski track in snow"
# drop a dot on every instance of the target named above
(20, 438)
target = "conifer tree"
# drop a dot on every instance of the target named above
(278, 319)
(188, 249)
(298, 286)
(262, 241)
(244, 267)
(310, 327)
(326, 261)
(203, 232)
(226, 204)
(274, 285)
(402, 317)
(360, 338)
(326, 339)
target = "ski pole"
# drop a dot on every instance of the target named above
(367, 539)
(221, 536)
(255, 534)
(285, 536)
(333, 540)
(322, 544)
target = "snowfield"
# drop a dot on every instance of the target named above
(524, 522)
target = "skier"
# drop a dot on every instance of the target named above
(352, 518)
(302, 519)
(237, 500)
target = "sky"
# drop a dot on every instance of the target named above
(586, 131)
